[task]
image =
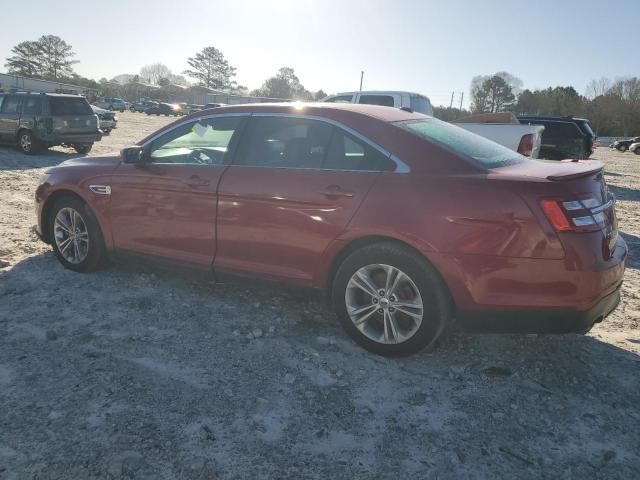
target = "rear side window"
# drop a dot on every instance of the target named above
(32, 106)
(11, 104)
(384, 100)
(348, 153)
(478, 149)
(285, 142)
(1, 100)
(69, 106)
(340, 99)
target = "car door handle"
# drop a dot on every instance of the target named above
(196, 181)
(334, 191)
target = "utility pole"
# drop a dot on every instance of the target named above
(451, 104)
(461, 97)
(361, 77)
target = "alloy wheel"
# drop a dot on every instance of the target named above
(384, 304)
(25, 142)
(71, 235)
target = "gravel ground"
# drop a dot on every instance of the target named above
(142, 374)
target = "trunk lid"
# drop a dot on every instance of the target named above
(577, 188)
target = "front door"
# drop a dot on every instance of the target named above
(166, 206)
(293, 188)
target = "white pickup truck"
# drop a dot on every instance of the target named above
(502, 128)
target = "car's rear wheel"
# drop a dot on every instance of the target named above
(27, 143)
(390, 300)
(75, 235)
(83, 148)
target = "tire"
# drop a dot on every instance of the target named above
(83, 148)
(90, 252)
(637, 151)
(27, 143)
(622, 148)
(424, 286)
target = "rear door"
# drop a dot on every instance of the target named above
(167, 206)
(10, 117)
(293, 188)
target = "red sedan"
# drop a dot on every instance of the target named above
(405, 221)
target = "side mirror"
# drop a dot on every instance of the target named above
(132, 154)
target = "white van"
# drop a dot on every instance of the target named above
(414, 101)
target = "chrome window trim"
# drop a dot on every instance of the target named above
(401, 167)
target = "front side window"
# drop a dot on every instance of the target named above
(285, 142)
(11, 104)
(203, 142)
(384, 100)
(478, 149)
(340, 99)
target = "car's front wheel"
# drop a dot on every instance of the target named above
(622, 148)
(76, 236)
(390, 300)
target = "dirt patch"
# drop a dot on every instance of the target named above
(126, 373)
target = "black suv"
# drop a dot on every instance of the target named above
(33, 121)
(563, 137)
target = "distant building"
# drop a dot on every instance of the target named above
(14, 83)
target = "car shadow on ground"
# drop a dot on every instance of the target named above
(624, 193)
(633, 244)
(242, 357)
(12, 159)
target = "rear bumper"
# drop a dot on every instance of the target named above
(537, 295)
(542, 321)
(70, 138)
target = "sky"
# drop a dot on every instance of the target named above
(426, 46)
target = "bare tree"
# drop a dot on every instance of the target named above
(598, 87)
(284, 85)
(154, 72)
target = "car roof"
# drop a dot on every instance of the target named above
(551, 118)
(329, 110)
(47, 94)
(380, 92)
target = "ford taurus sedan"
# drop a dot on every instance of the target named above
(405, 221)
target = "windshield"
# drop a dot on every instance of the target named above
(478, 149)
(69, 106)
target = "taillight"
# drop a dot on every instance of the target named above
(577, 215)
(526, 145)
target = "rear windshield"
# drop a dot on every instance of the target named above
(478, 149)
(69, 106)
(586, 128)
